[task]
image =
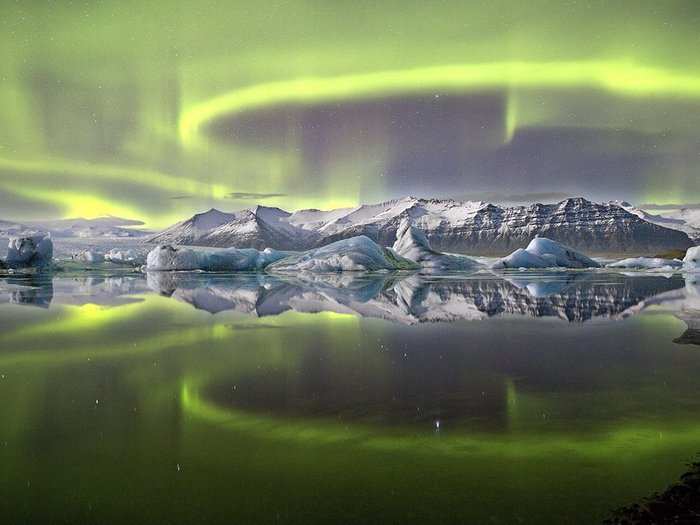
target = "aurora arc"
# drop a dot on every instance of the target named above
(625, 78)
(123, 125)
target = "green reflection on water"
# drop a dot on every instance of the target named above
(113, 418)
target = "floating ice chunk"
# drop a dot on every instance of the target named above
(545, 253)
(354, 254)
(90, 256)
(563, 255)
(211, 259)
(34, 251)
(647, 263)
(691, 261)
(127, 257)
(412, 244)
(521, 258)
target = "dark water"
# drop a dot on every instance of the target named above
(183, 398)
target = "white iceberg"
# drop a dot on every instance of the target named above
(412, 244)
(166, 257)
(354, 254)
(691, 261)
(35, 251)
(647, 263)
(126, 257)
(90, 256)
(521, 258)
(545, 253)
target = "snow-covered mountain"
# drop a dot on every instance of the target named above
(12, 229)
(191, 230)
(78, 227)
(682, 219)
(477, 228)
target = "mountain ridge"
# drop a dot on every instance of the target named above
(470, 227)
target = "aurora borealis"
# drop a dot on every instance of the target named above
(155, 110)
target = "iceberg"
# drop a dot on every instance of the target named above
(521, 258)
(647, 263)
(691, 261)
(35, 251)
(126, 257)
(90, 256)
(167, 258)
(545, 253)
(412, 244)
(355, 254)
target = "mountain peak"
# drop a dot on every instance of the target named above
(449, 225)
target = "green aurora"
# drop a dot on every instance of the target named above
(114, 107)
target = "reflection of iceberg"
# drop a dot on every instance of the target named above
(99, 289)
(692, 334)
(28, 290)
(683, 302)
(43, 290)
(415, 299)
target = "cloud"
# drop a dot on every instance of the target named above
(689, 206)
(243, 195)
(491, 196)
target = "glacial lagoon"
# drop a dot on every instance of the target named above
(520, 397)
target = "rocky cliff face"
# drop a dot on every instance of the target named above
(462, 227)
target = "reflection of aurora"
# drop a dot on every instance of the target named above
(634, 438)
(157, 365)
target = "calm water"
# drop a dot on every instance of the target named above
(184, 398)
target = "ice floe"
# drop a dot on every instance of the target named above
(647, 263)
(545, 253)
(691, 261)
(412, 244)
(35, 251)
(168, 257)
(355, 254)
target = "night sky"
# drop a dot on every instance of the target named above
(155, 110)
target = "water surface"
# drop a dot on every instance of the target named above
(194, 398)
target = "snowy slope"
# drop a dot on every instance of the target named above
(476, 228)
(682, 219)
(190, 230)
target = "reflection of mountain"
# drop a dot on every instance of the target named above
(415, 299)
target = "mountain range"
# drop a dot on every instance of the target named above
(477, 228)
(76, 227)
